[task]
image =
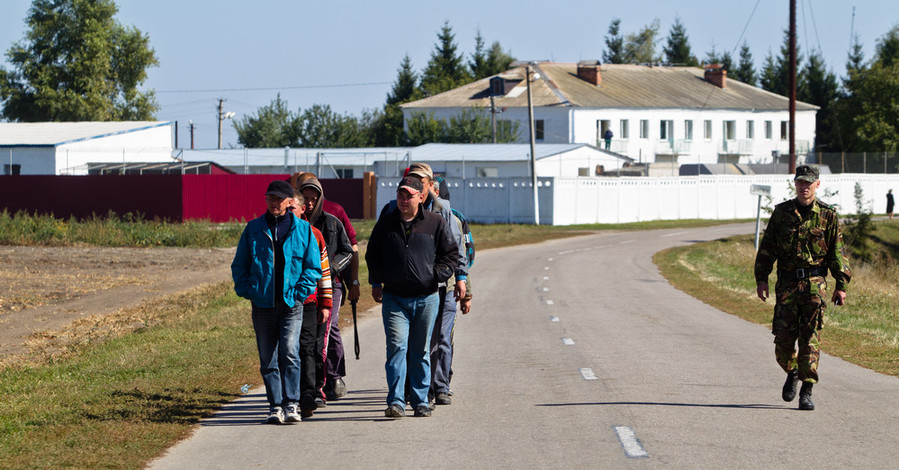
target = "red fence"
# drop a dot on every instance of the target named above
(218, 198)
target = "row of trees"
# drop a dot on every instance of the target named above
(77, 63)
(318, 126)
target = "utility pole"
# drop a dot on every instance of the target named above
(527, 71)
(221, 118)
(792, 84)
(191, 127)
(493, 116)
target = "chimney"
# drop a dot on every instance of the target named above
(589, 71)
(716, 74)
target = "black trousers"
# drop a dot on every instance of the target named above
(312, 342)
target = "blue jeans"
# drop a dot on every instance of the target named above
(278, 341)
(408, 323)
(442, 345)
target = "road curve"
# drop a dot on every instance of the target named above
(578, 354)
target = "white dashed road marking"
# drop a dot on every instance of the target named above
(626, 242)
(549, 302)
(672, 234)
(629, 442)
(587, 374)
(554, 318)
(568, 341)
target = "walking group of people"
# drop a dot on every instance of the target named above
(296, 262)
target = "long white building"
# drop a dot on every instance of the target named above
(681, 115)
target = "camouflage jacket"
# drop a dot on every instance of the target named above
(795, 243)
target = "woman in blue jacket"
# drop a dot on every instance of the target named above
(276, 266)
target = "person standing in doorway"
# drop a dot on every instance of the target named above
(890, 204)
(607, 137)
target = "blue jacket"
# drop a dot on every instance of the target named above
(254, 263)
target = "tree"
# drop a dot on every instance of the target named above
(640, 47)
(498, 60)
(77, 63)
(775, 75)
(485, 63)
(888, 48)
(445, 69)
(677, 51)
(745, 71)
(272, 126)
(422, 128)
(820, 88)
(614, 52)
(387, 128)
(725, 59)
(320, 127)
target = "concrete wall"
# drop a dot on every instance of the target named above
(568, 201)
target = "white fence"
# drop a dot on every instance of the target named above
(568, 201)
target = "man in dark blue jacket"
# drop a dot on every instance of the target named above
(276, 267)
(409, 253)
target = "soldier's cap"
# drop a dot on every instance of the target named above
(280, 189)
(806, 173)
(411, 184)
(421, 170)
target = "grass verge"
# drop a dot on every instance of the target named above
(865, 331)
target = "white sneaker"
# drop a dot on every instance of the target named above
(292, 416)
(275, 416)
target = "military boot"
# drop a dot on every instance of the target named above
(789, 391)
(805, 396)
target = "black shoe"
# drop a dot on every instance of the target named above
(789, 391)
(423, 411)
(307, 406)
(395, 411)
(320, 402)
(443, 399)
(805, 396)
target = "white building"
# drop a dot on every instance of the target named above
(682, 115)
(66, 148)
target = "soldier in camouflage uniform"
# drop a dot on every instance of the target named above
(803, 237)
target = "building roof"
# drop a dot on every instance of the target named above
(299, 156)
(622, 86)
(46, 134)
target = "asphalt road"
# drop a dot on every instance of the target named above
(578, 354)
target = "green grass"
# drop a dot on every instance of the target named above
(865, 331)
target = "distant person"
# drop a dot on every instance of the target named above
(409, 253)
(276, 266)
(890, 203)
(803, 238)
(607, 137)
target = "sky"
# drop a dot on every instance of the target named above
(346, 53)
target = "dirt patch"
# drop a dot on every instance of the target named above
(44, 289)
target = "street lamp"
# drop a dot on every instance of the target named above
(531, 132)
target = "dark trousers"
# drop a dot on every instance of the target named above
(311, 344)
(336, 362)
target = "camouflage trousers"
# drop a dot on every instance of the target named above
(798, 316)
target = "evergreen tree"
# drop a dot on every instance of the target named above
(725, 59)
(847, 106)
(614, 51)
(388, 130)
(856, 58)
(77, 63)
(485, 63)
(776, 72)
(445, 69)
(498, 60)
(820, 88)
(640, 47)
(478, 62)
(677, 51)
(404, 86)
(745, 71)
(888, 48)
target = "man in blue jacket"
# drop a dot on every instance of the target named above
(409, 252)
(276, 267)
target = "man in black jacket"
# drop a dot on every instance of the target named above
(409, 253)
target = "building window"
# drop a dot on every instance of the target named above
(688, 130)
(730, 130)
(344, 173)
(487, 172)
(666, 130)
(750, 130)
(15, 169)
(769, 132)
(644, 128)
(538, 129)
(624, 131)
(784, 130)
(707, 129)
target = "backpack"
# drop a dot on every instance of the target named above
(466, 235)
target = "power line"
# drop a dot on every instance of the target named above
(299, 87)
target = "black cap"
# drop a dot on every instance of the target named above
(411, 184)
(806, 173)
(281, 189)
